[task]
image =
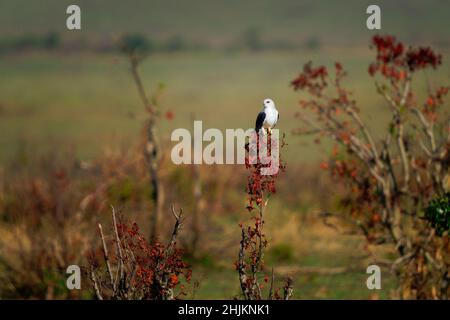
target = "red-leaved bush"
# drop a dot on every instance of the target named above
(260, 186)
(139, 269)
(391, 176)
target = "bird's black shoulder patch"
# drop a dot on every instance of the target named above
(260, 121)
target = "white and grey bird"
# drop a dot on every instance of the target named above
(267, 118)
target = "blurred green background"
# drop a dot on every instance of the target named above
(217, 60)
(212, 56)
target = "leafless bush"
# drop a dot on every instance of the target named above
(136, 48)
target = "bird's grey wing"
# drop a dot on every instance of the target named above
(260, 121)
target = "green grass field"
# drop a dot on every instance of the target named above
(88, 101)
(75, 99)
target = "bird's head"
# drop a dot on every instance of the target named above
(268, 103)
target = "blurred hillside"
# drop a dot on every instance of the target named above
(222, 23)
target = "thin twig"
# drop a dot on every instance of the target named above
(119, 247)
(288, 289)
(106, 256)
(176, 228)
(96, 286)
(241, 265)
(272, 278)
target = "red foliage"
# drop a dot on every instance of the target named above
(389, 176)
(259, 185)
(138, 269)
(152, 260)
(169, 115)
(421, 58)
(311, 79)
(388, 49)
(393, 61)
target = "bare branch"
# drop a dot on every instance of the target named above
(120, 270)
(404, 157)
(151, 149)
(96, 286)
(288, 289)
(106, 256)
(176, 228)
(272, 279)
(427, 127)
(241, 265)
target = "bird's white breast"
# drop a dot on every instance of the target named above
(271, 117)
